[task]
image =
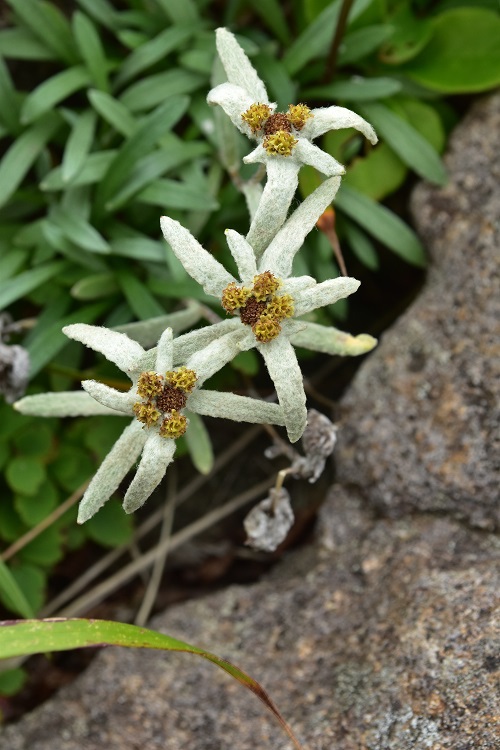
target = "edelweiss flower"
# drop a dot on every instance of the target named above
(157, 401)
(284, 139)
(266, 298)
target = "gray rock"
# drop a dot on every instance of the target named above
(384, 635)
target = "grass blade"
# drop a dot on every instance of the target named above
(13, 289)
(52, 92)
(78, 145)
(91, 49)
(12, 595)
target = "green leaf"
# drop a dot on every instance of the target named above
(93, 170)
(52, 92)
(78, 145)
(406, 141)
(49, 25)
(411, 35)
(111, 527)
(21, 155)
(356, 89)
(12, 595)
(140, 248)
(138, 296)
(96, 286)
(21, 285)
(114, 112)
(463, 55)
(378, 174)
(199, 444)
(179, 11)
(424, 118)
(102, 12)
(11, 526)
(25, 475)
(382, 224)
(71, 468)
(172, 194)
(21, 44)
(362, 246)
(11, 681)
(246, 362)
(91, 49)
(34, 441)
(152, 52)
(45, 549)
(39, 636)
(139, 144)
(283, 90)
(9, 110)
(79, 231)
(11, 262)
(360, 43)
(151, 91)
(32, 510)
(32, 582)
(271, 12)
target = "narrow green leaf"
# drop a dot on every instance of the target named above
(362, 246)
(91, 49)
(152, 52)
(179, 11)
(363, 42)
(138, 296)
(113, 112)
(96, 286)
(52, 92)
(356, 89)
(139, 248)
(12, 680)
(12, 595)
(111, 527)
(22, 154)
(49, 25)
(78, 145)
(378, 174)
(11, 262)
(283, 90)
(382, 224)
(141, 142)
(21, 44)
(199, 444)
(93, 170)
(39, 636)
(20, 286)
(406, 141)
(150, 91)
(271, 12)
(102, 12)
(58, 240)
(147, 332)
(172, 194)
(9, 109)
(79, 231)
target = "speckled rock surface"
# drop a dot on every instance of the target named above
(385, 634)
(422, 421)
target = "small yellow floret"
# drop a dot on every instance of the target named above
(149, 384)
(173, 426)
(266, 329)
(146, 413)
(182, 378)
(234, 297)
(264, 285)
(280, 307)
(280, 143)
(256, 115)
(298, 114)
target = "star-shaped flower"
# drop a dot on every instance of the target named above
(266, 298)
(285, 140)
(156, 400)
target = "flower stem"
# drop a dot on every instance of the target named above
(331, 62)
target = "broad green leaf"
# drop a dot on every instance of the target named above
(424, 118)
(113, 112)
(11, 526)
(362, 246)
(111, 527)
(152, 52)
(9, 98)
(93, 170)
(11, 262)
(363, 42)
(91, 49)
(151, 91)
(139, 248)
(52, 92)
(56, 238)
(72, 467)
(34, 442)
(382, 224)
(40, 636)
(79, 231)
(78, 145)
(12, 680)
(25, 475)
(406, 141)
(21, 155)
(271, 12)
(95, 286)
(153, 127)
(49, 25)
(316, 38)
(45, 549)
(410, 35)
(199, 444)
(378, 174)
(32, 582)
(138, 296)
(12, 595)
(179, 11)
(13, 289)
(463, 55)
(172, 194)
(32, 510)
(356, 89)
(21, 44)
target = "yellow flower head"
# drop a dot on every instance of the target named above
(280, 307)
(298, 114)
(149, 384)
(280, 143)
(173, 426)
(266, 329)
(182, 378)
(234, 296)
(265, 284)
(148, 414)
(256, 115)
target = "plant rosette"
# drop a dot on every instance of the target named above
(156, 401)
(266, 301)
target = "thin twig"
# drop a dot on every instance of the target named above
(331, 62)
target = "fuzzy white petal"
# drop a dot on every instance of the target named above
(117, 400)
(189, 343)
(280, 254)
(234, 101)
(336, 118)
(112, 471)
(117, 347)
(164, 352)
(62, 404)
(147, 332)
(239, 69)
(243, 255)
(277, 196)
(329, 340)
(307, 153)
(213, 357)
(284, 370)
(157, 454)
(326, 293)
(295, 284)
(237, 408)
(199, 264)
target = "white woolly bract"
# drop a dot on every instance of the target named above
(329, 340)
(212, 358)
(63, 404)
(234, 407)
(239, 69)
(325, 119)
(307, 153)
(234, 101)
(117, 347)
(190, 343)
(157, 454)
(118, 400)
(164, 352)
(243, 255)
(326, 293)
